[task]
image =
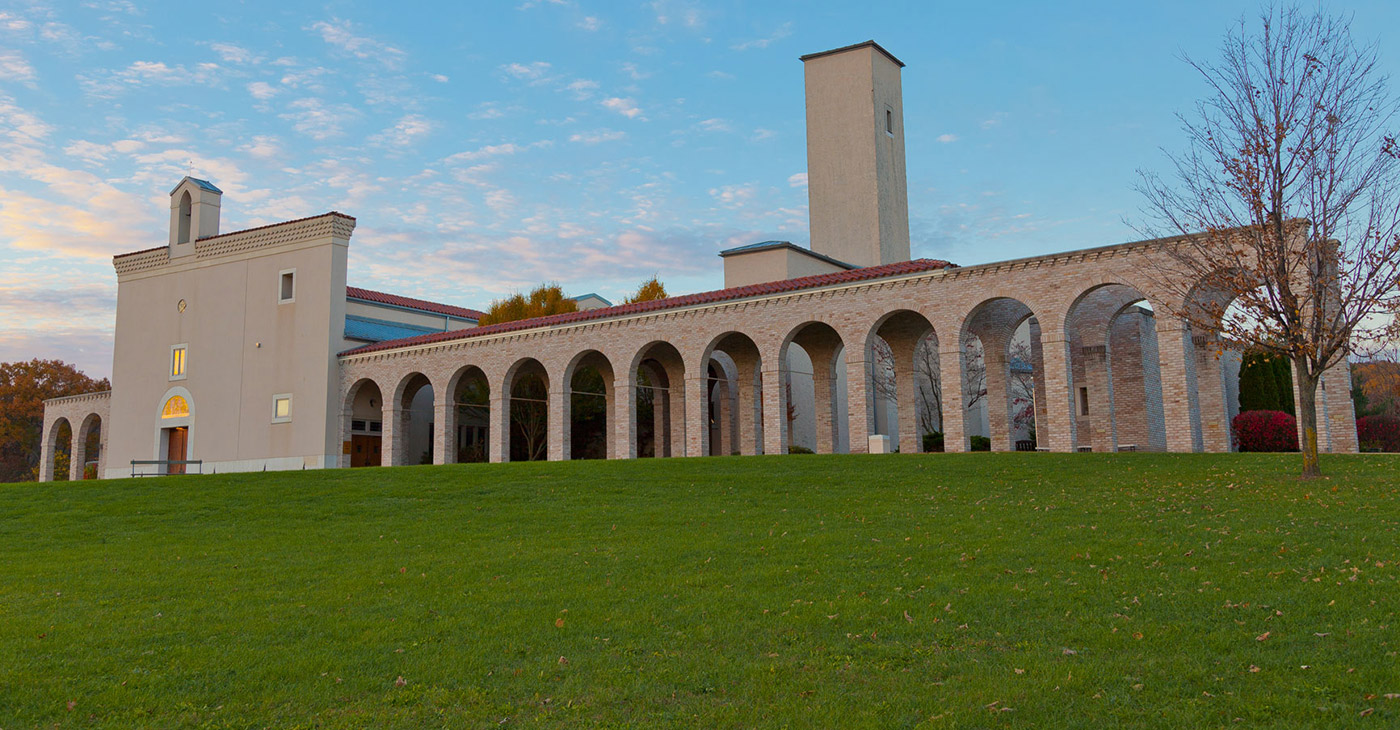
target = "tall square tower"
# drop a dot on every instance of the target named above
(857, 195)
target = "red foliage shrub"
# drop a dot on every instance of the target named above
(1266, 431)
(1378, 433)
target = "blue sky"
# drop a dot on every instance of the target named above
(485, 147)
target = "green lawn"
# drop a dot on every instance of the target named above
(959, 590)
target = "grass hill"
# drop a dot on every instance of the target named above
(958, 590)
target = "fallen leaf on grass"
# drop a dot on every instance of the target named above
(1262, 637)
(559, 622)
(400, 681)
(908, 618)
(1253, 668)
(1367, 711)
(72, 704)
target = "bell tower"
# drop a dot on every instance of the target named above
(194, 214)
(857, 195)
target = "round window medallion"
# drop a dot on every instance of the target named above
(181, 305)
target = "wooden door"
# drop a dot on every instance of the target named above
(175, 450)
(364, 450)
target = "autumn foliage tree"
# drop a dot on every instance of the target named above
(24, 386)
(1287, 200)
(650, 290)
(546, 299)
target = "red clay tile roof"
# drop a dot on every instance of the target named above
(144, 250)
(711, 297)
(355, 292)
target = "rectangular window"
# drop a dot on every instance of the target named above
(288, 286)
(177, 361)
(889, 121)
(1083, 401)
(282, 408)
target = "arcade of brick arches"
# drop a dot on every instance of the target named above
(1111, 370)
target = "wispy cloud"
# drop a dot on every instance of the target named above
(597, 136)
(338, 34)
(110, 83)
(527, 71)
(231, 53)
(317, 120)
(406, 131)
(946, 138)
(797, 180)
(590, 23)
(13, 67)
(781, 32)
(626, 107)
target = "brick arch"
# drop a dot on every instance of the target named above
(896, 341)
(740, 417)
(51, 441)
(521, 412)
(347, 416)
(1114, 370)
(826, 346)
(79, 453)
(598, 361)
(453, 445)
(668, 426)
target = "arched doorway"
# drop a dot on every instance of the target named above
(364, 423)
(1003, 373)
(414, 423)
(469, 418)
(60, 450)
(733, 369)
(904, 374)
(87, 448)
(590, 398)
(659, 412)
(528, 385)
(812, 412)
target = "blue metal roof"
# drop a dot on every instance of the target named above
(365, 329)
(203, 185)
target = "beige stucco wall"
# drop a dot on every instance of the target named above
(244, 347)
(856, 187)
(773, 264)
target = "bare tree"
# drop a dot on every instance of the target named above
(1288, 198)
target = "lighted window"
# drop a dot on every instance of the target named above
(177, 361)
(176, 407)
(281, 408)
(287, 287)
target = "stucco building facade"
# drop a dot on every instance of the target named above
(249, 351)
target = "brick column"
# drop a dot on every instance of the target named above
(624, 422)
(748, 405)
(556, 427)
(1059, 417)
(1178, 367)
(824, 399)
(1099, 380)
(950, 389)
(998, 404)
(1341, 412)
(77, 453)
(444, 429)
(676, 399)
(498, 430)
(697, 415)
(724, 416)
(859, 398)
(906, 388)
(393, 436)
(1210, 398)
(774, 404)
(46, 454)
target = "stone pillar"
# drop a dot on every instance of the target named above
(824, 399)
(394, 435)
(994, 352)
(498, 430)
(906, 388)
(1042, 402)
(1341, 412)
(748, 397)
(556, 426)
(77, 452)
(1178, 367)
(1099, 381)
(676, 398)
(697, 421)
(859, 398)
(724, 417)
(1059, 431)
(46, 454)
(1210, 398)
(624, 422)
(950, 384)
(444, 429)
(774, 399)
